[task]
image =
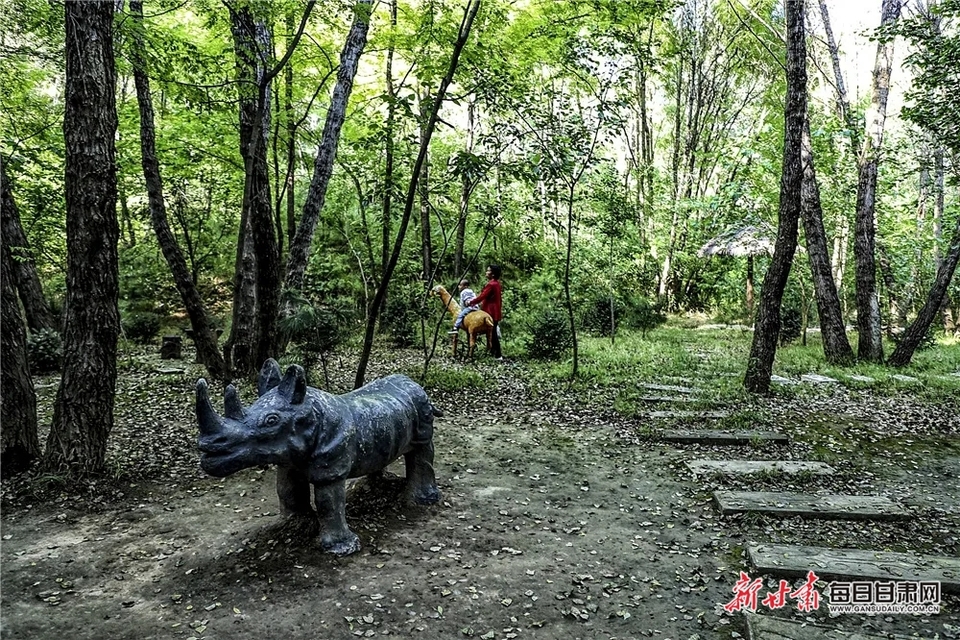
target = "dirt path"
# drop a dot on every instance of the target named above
(550, 526)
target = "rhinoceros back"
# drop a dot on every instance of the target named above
(382, 421)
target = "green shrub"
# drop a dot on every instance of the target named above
(550, 335)
(596, 319)
(44, 351)
(645, 316)
(401, 318)
(141, 326)
(791, 325)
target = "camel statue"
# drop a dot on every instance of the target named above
(476, 323)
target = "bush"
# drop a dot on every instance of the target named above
(401, 319)
(550, 335)
(634, 313)
(595, 318)
(646, 316)
(791, 325)
(44, 351)
(141, 326)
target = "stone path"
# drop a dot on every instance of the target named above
(749, 467)
(722, 437)
(668, 387)
(687, 414)
(841, 507)
(794, 561)
(768, 627)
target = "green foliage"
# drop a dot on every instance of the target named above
(319, 328)
(791, 325)
(550, 336)
(402, 316)
(44, 351)
(140, 326)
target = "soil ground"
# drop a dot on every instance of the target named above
(559, 519)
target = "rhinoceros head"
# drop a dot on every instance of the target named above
(279, 428)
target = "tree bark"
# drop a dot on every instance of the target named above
(426, 248)
(912, 337)
(19, 444)
(767, 326)
(870, 344)
(204, 333)
(374, 311)
(83, 411)
(23, 270)
(836, 347)
(327, 153)
(388, 186)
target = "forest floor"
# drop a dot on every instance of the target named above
(560, 518)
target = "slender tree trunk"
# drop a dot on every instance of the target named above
(204, 333)
(291, 127)
(388, 185)
(83, 411)
(912, 337)
(426, 249)
(327, 153)
(767, 327)
(126, 220)
(374, 311)
(750, 288)
(949, 322)
(467, 182)
(23, 270)
(19, 443)
(870, 344)
(566, 280)
(836, 347)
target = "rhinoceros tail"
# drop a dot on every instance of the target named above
(436, 412)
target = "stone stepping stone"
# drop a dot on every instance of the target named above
(668, 399)
(863, 379)
(835, 507)
(687, 414)
(768, 627)
(816, 378)
(781, 380)
(750, 467)
(668, 387)
(716, 436)
(899, 377)
(794, 561)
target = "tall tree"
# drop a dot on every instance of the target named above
(23, 269)
(870, 343)
(373, 311)
(205, 336)
(19, 443)
(83, 411)
(327, 153)
(767, 325)
(836, 347)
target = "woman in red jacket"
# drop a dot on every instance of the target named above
(491, 301)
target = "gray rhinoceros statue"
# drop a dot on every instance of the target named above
(322, 439)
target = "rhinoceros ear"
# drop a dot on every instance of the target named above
(293, 387)
(269, 376)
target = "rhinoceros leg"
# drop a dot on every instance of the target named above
(421, 479)
(293, 489)
(335, 535)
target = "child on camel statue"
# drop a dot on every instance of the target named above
(466, 295)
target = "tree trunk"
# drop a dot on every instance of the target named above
(83, 411)
(467, 183)
(911, 338)
(870, 344)
(204, 333)
(291, 126)
(836, 347)
(767, 326)
(19, 445)
(374, 311)
(388, 152)
(566, 281)
(23, 271)
(252, 48)
(327, 153)
(426, 249)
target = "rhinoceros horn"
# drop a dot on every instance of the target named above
(293, 387)
(210, 422)
(232, 408)
(269, 376)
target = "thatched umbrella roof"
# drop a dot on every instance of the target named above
(750, 240)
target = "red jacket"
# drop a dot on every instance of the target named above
(490, 300)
